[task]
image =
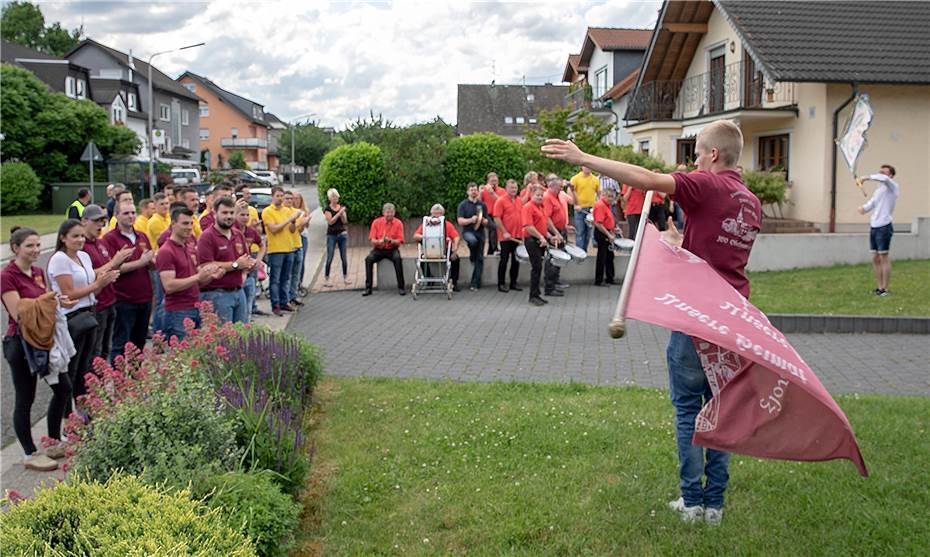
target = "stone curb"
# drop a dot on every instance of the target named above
(808, 323)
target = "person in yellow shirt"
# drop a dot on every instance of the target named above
(159, 221)
(146, 210)
(584, 191)
(296, 203)
(280, 224)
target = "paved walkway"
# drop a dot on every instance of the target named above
(489, 336)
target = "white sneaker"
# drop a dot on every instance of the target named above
(688, 514)
(39, 462)
(713, 516)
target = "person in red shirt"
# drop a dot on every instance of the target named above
(226, 246)
(386, 237)
(134, 286)
(22, 280)
(604, 235)
(509, 222)
(180, 276)
(556, 211)
(536, 239)
(490, 193)
(452, 239)
(724, 218)
(94, 219)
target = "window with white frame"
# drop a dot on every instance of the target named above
(508, 119)
(164, 112)
(81, 89)
(117, 114)
(532, 120)
(70, 87)
(234, 132)
(530, 98)
(131, 101)
(256, 112)
(600, 82)
(186, 143)
(520, 120)
(204, 133)
(644, 146)
(204, 110)
(185, 117)
(192, 87)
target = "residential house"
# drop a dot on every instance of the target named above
(786, 72)
(175, 109)
(603, 75)
(228, 122)
(61, 76)
(276, 128)
(121, 100)
(507, 110)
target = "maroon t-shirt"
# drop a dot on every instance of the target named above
(134, 287)
(99, 256)
(214, 246)
(31, 286)
(251, 236)
(724, 218)
(172, 256)
(207, 220)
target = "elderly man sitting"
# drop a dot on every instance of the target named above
(386, 237)
(452, 237)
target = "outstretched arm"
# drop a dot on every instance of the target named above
(630, 174)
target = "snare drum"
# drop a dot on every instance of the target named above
(622, 245)
(559, 258)
(522, 255)
(577, 254)
(589, 218)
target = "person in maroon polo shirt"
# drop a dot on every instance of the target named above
(94, 219)
(724, 218)
(226, 246)
(134, 286)
(178, 270)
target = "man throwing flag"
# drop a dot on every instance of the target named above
(723, 220)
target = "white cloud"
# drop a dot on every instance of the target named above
(343, 60)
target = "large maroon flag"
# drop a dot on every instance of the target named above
(767, 402)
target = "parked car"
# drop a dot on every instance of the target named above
(260, 198)
(247, 176)
(185, 176)
(269, 174)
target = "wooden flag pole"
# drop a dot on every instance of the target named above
(617, 327)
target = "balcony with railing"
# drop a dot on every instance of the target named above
(244, 142)
(729, 88)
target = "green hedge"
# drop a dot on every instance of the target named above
(769, 187)
(121, 518)
(357, 172)
(19, 188)
(625, 153)
(469, 158)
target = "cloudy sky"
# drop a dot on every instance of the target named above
(341, 60)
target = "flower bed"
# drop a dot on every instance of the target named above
(217, 417)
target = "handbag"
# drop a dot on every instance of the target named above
(80, 322)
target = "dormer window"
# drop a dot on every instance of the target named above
(70, 87)
(131, 101)
(257, 112)
(81, 89)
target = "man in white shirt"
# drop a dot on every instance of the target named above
(882, 203)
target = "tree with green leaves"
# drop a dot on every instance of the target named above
(237, 160)
(371, 130)
(470, 157)
(586, 130)
(23, 23)
(311, 142)
(50, 131)
(412, 159)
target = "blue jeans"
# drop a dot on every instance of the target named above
(158, 314)
(582, 229)
(331, 242)
(279, 278)
(475, 255)
(689, 392)
(230, 306)
(131, 325)
(248, 288)
(297, 263)
(174, 322)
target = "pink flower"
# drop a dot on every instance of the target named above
(221, 351)
(14, 496)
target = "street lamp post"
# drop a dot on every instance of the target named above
(151, 130)
(293, 120)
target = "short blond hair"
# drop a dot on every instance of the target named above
(726, 137)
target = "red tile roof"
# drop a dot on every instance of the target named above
(613, 38)
(622, 86)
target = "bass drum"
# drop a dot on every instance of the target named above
(522, 255)
(577, 254)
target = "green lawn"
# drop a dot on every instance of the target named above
(43, 224)
(844, 290)
(441, 468)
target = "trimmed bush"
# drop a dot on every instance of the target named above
(19, 188)
(412, 158)
(357, 171)
(469, 158)
(769, 187)
(625, 153)
(166, 437)
(120, 518)
(251, 503)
